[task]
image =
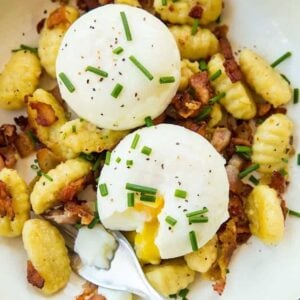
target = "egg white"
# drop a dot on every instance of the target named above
(180, 159)
(90, 42)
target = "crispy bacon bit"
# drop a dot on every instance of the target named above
(219, 286)
(33, 276)
(244, 132)
(221, 138)
(200, 128)
(97, 297)
(239, 141)
(279, 110)
(2, 163)
(202, 86)
(185, 106)
(89, 291)
(22, 122)
(81, 210)
(196, 12)
(233, 178)
(8, 134)
(233, 70)
(284, 208)
(6, 207)
(160, 119)
(57, 17)
(9, 155)
(278, 182)
(88, 5)
(263, 109)
(40, 25)
(24, 145)
(45, 113)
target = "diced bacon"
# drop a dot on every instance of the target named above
(45, 113)
(33, 276)
(202, 86)
(185, 105)
(221, 138)
(196, 12)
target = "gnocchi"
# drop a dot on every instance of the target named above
(238, 100)
(47, 254)
(265, 215)
(52, 34)
(19, 78)
(264, 79)
(203, 259)
(129, 2)
(14, 199)
(179, 12)
(201, 45)
(42, 106)
(188, 69)
(170, 277)
(271, 145)
(45, 193)
(78, 136)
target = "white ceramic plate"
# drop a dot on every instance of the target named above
(257, 271)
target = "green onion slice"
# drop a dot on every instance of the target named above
(298, 159)
(198, 219)
(249, 170)
(203, 65)
(163, 2)
(96, 71)
(296, 96)
(217, 98)
(146, 150)
(135, 141)
(130, 199)
(171, 221)
(117, 90)
(294, 213)
(204, 113)
(141, 67)
(180, 193)
(103, 189)
(126, 26)
(147, 198)
(149, 121)
(93, 223)
(195, 26)
(183, 293)
(254, 180)
(28, 48)
(216, 75)
(140, 188)
(118, 50)
(166, 79)
(197, 212)
(107, 158)
(118, 160)
(193, 240)
(243, 149)
(66, 81)
(129, 163)
(281, 59)
(96, 164)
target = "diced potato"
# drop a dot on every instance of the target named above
(45, 191)
(188, 69)
(19, 78)
(47, 252)
(170, 277)
(265, 215)
(202, 260)
(20, 203)
(52, 34)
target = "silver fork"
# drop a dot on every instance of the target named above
(125, 272)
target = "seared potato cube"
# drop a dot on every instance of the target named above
(14, 203)
(49, 265)
(19, 78)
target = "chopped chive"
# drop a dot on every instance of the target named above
(130, 199)
(96, 71)
(146, 150)
(283, 172)
(281, 59)
(249, 170)
(141, 67)
(78, 226)
(96, 164)
(34, 167)
(163, 2)
(183, 293)
(126, 26)
(173, 296)
(118, 160)
(87, 156)
(140, 188)
(285, 160)
(129, 163)
(117, 90)
(296, 96)
(298, 159)
(195, 26)
(135, 141)
(103, 189)
(66, 81)
(46, 176)
(193, 240)
(202, 64)
(243, 149)
(285, 78)
(198, 219)
(93, 223)
(204, 113)
(180, 193)
(147, 198)
(166, 79)
(25, 47)
(148, 122)
(118, 50)
(259, 121)
(107, 158)
(171, 221)
(216, 75)
(74, 130)
(197, 212)
(254, 180)
(217, 98)
(294, 213)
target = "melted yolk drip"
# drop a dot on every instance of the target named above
(144, 243)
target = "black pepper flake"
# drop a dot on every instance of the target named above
(94, 90)
(147, 158)
(45, 11)
(122, 105)
(101, 79)
(179, 182)
(177, 143)
(120, 73)
(170, 228)
(123, 59)
(23, 33)
(135, 95)
(184, 210)
(102, 114)
(66, 45)
(210, 171)
(87, 81)
(92, 27)
(95, 21)
(82, 57)
(162, 166)
(92, 98)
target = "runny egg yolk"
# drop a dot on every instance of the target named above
(144, 242)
